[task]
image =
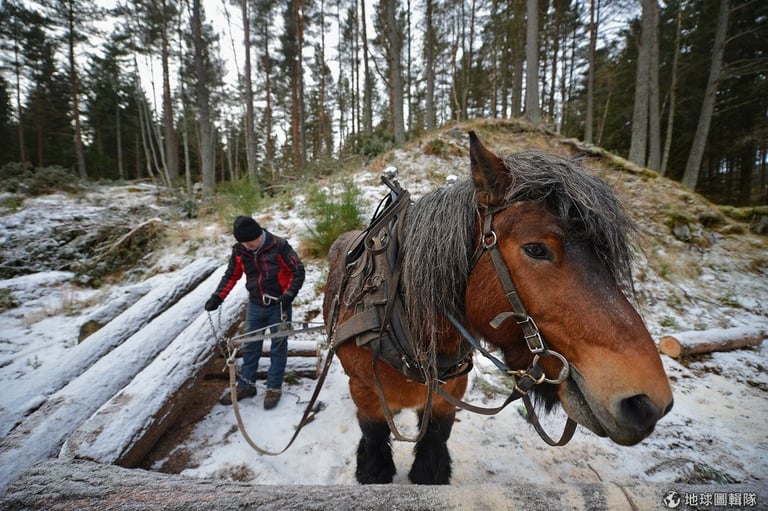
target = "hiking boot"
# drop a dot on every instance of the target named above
(242, 393)
(272, 398)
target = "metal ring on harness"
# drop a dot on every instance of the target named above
(565, 371)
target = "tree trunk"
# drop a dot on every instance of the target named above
(639, 144)
(297, 89)
(693, 165)
(56, 373)
(430, 44)
(555, 59)
(367, 126)
(87, 486)
(395, 73)
(269, 142)
(589, 120)
(672, 94)
(654, 123)
(250, 139)
(119, 132)
(171, 159)
(532, 113)
(468, 65)
(73, 81)
(41, 434)
(19, 108)
(207, 156)
(326, 137)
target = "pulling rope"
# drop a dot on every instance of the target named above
(231, 364)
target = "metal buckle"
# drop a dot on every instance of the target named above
(532, 336)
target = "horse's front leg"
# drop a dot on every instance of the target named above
(374, 453)
(432, 464)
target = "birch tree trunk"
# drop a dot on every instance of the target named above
(693, 165)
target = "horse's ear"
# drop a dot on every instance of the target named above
(488, 172)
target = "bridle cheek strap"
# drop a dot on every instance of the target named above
(531, 333)
(526, 378)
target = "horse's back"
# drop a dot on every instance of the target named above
(336, 257)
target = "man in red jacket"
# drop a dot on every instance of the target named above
(273, 276)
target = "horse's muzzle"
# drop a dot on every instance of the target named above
(625, 420)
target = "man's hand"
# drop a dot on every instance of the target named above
(285, 300)
(213, 303)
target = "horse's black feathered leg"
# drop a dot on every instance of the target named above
(432, 464)
(374, 454)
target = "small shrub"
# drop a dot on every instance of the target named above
(233, 198)
(36, 181)
(712, 219)
(434, 147)
(49, 180)
(331, 216)
(12, 202)
(669, 322)
(371, 145)
(7, 299)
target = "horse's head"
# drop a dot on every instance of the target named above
(563, 237)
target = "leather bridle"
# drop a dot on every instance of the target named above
(525, 379)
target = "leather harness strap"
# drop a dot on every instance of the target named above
(371, 319)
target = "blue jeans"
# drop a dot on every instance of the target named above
(257, 317)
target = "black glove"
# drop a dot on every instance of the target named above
(213, 303)
(285, 300)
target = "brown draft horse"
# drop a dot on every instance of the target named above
(563, 237)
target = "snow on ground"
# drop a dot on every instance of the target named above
(716, 433)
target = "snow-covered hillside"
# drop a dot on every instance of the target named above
(716, 433)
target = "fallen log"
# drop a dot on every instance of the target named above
(706, 341)
(41, 434)
(57, 485)
(295, 348)
(32, 389)
(127, 426)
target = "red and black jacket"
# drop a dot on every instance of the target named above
(274, 269)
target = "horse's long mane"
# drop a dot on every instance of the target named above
(438, 235)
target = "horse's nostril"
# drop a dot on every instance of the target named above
(640, 411)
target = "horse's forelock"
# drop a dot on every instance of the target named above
(586, 204)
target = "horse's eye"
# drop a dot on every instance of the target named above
(537, 251)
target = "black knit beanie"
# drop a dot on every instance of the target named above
(245, 229)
